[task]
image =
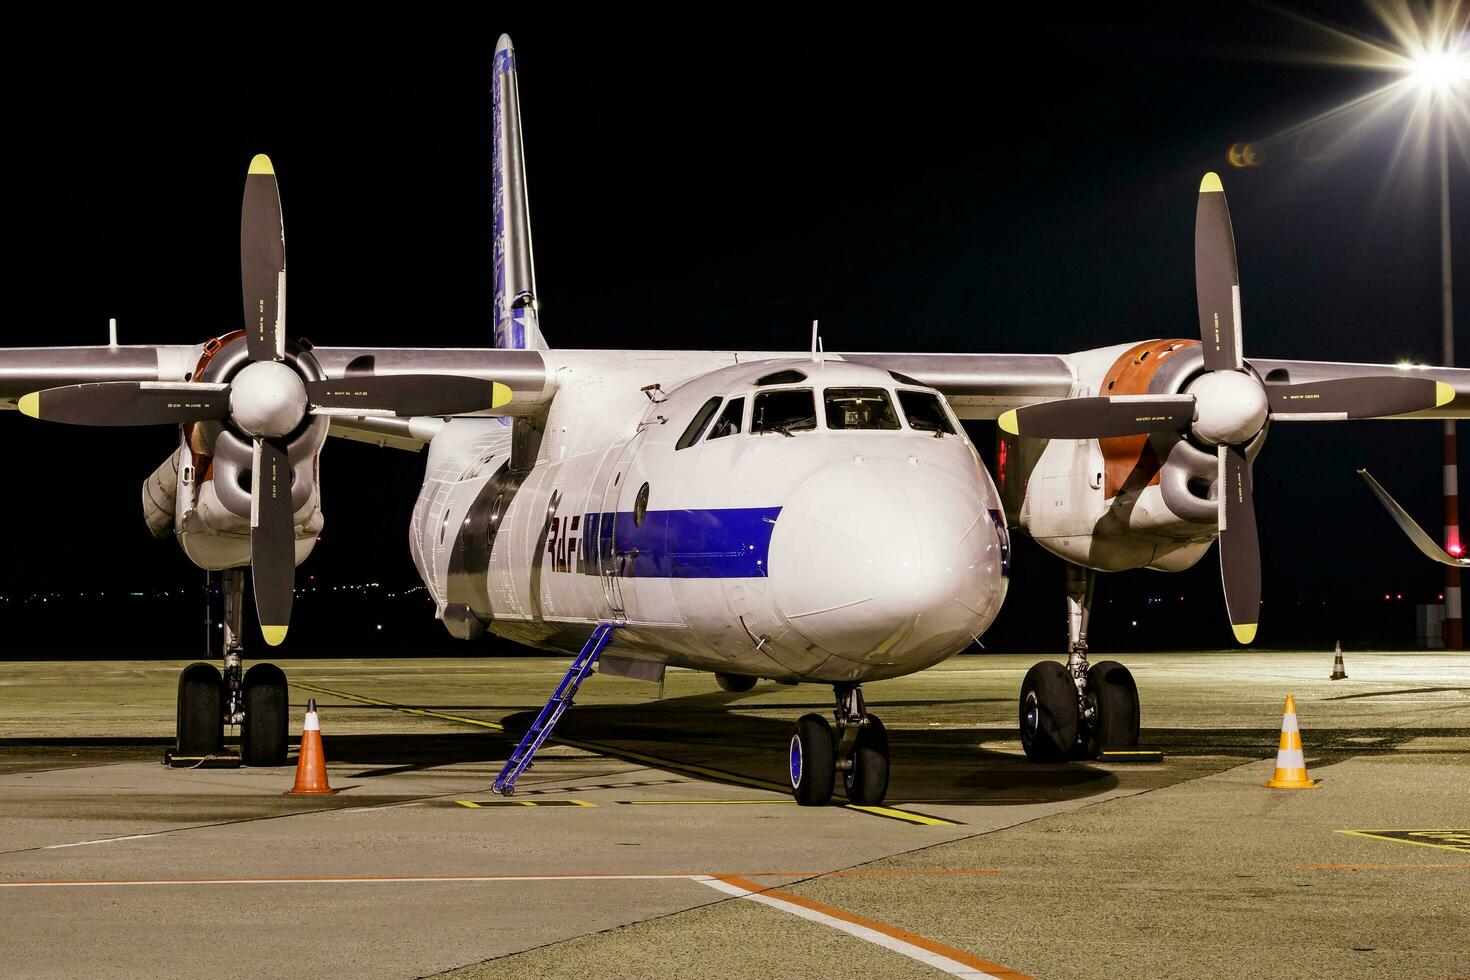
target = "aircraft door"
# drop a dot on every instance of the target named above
(610, 559)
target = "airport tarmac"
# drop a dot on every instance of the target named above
(660, 844)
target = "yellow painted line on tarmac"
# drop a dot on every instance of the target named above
(921, 949)
(922, 819)
(544, 804)
(425, 712)
(1446, 840)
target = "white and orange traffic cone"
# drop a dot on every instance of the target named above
(311, 762)
(1339, 672)
(1291, 763)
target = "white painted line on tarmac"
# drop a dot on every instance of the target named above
(351, 880)
(955, 962)
(103, 840)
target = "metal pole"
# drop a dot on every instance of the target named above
(1453, 622)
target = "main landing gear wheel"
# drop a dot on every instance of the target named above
(735, 683)
(1048, 712)
(263, 735)
(866, 781)
(1114, 696)
(813, 766)
(199, 723)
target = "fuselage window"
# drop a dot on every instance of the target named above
(859, 408)
(925, 412)
(697, 424)
(784, 412)
(728, 424)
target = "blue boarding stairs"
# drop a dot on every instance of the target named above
(561, 700)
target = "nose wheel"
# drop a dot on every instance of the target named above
(858, 750)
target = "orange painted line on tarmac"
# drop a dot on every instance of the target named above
(1380, 867)
(900, 938)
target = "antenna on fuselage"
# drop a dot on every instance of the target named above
(816, 343)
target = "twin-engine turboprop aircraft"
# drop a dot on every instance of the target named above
(799, 516)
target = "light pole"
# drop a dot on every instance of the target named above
(1436, 72)
(1454, 635)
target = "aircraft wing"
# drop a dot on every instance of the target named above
(27, 369)
(1277, 371)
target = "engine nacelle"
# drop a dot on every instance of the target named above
(1126, 502)
(204, 486)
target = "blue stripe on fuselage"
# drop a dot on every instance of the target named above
(727, 543)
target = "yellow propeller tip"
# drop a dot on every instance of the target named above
(1211, 184)
(273, 634)
(30, 404)
(499, 394)
(1007, 422)
(1443, 394)
(1245, 633)
(261, 164)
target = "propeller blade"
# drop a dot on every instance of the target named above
(1356, 398)
(128, 403)
(1420, 538)
(1100, 418)
(405, 395)
(263, 263)
(1240, 549)
(272, 538)
(1216, 278)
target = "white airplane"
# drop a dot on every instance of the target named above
(801, 516)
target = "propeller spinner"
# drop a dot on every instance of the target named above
(1227, 406)
(267, 399)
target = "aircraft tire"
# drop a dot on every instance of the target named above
(263, 736)
(1048, 712)
(812, 763)
(199, 720)
(867, 781)
(1115, 694)
(735, 683)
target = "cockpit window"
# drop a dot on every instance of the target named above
(788, 411)
(697, 424)
(728, 424)
(859, 408)
(925, 412)
(788, 377)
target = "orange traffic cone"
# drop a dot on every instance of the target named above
(1291, 764)
(1339, 672)
(311, 763)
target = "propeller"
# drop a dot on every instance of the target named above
(1227, 406)
(267, 399)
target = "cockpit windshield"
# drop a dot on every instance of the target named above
(784, 411)
(860, 408)
(924, 412)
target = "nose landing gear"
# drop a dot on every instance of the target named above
(1077, 710)
(256, 699)
(860, 753)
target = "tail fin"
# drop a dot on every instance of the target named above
(517, 324)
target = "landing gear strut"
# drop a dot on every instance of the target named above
(210, 699)
(1076, 711)
(859, 752)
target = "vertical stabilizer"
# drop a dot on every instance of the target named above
(516, 323)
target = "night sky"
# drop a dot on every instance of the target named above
(918, 184)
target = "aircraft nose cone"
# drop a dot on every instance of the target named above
(877, 560)
(267, 398)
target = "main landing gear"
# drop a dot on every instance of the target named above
(209, 699)
(1075, 711)
(859, 753)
